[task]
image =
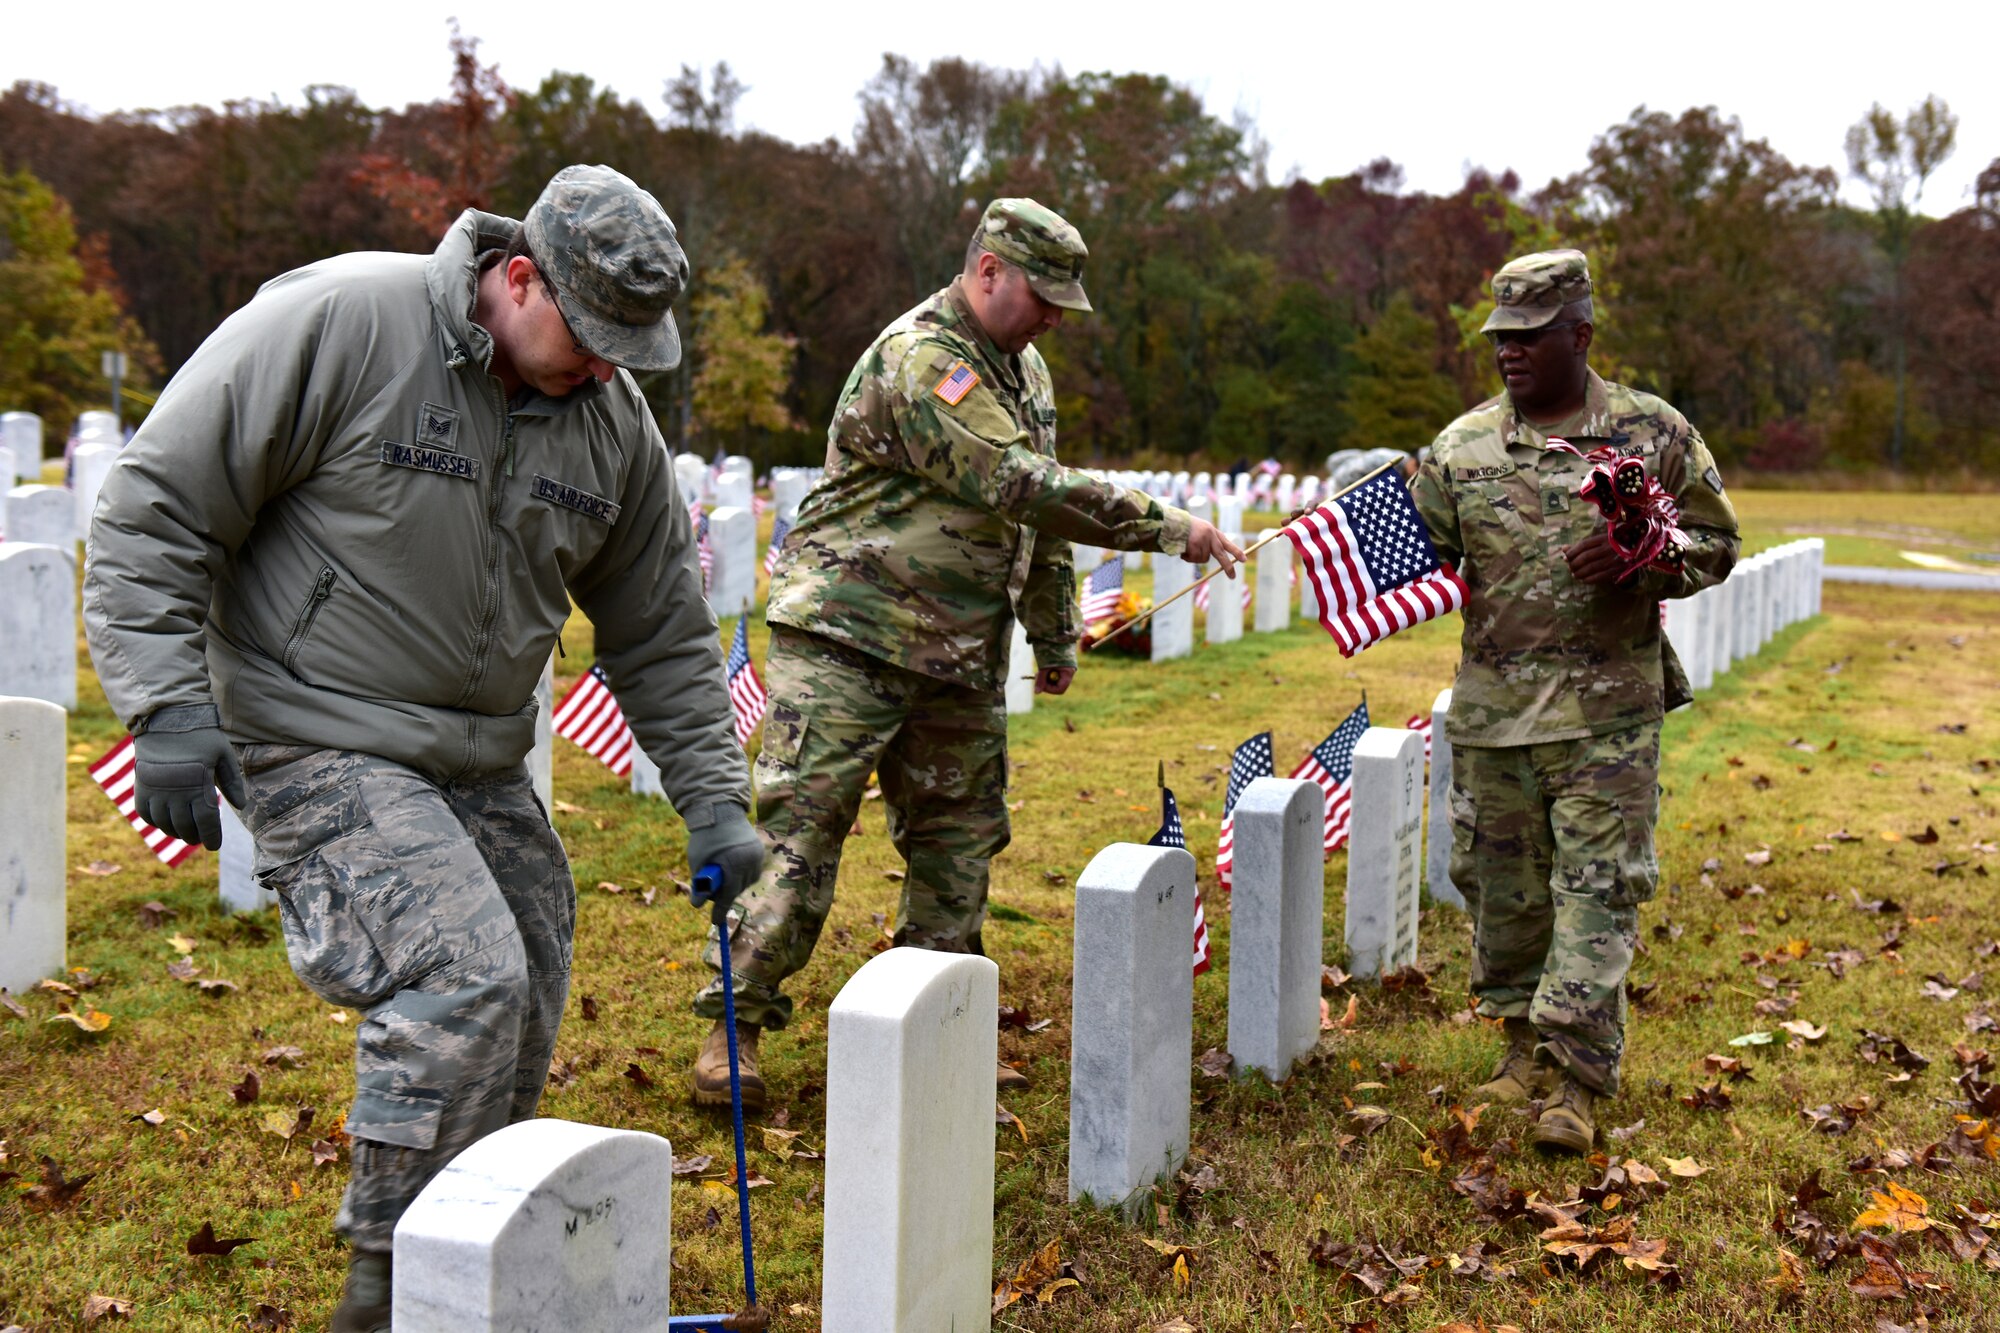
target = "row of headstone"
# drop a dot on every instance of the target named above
(551, 1224)
(1259, 491)
(1726, 622)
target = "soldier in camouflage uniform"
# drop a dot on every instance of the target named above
(942, 516)
(327, 575)
(1564, 677)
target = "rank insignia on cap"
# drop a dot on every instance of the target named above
(953, 387)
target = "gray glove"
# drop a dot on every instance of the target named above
(180, 757)
(719, 834)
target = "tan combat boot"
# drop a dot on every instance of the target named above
(364, 1302)
(1009, 1079)
(1519, 1076)
(710, 1076)
(1568, 1122)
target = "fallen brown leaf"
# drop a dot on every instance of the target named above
(204, 1242)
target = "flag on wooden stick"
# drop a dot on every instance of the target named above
(1251, 761)
(1372, 564)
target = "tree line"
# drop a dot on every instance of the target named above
(1238, 317)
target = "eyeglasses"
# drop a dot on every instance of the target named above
(1504, 337)
(575, 343)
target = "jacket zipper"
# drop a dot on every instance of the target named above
(490, 603)
(322, 589)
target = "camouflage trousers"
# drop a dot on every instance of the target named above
(446, 915)
(940, 752)
(1552, 846)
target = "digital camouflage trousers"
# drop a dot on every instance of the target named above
(1552, 846)
(940, 753)
(445, 914)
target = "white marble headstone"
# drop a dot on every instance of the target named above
(1229, 516)
(37, 623)
(788, 490)
(1132, 974)
(1225, 606)
(544, 1225)
(99, 425)
(1020, 689)
(235, 865)
(1273, 609)
(21, 435)
(1437, 852)
(45, 514)
(1385, 851)
(646, 776)
(1275, 915)
(732, 539)
(732, 488)
(911, 1046)
(542, 758)
(1173, 626)
(33, 862)
(91, 464)
(691, 476)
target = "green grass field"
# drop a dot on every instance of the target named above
(1877, 719)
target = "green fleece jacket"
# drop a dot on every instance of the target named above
(335, 529)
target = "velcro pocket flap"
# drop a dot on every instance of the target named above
(407, 1119)
(309, 826)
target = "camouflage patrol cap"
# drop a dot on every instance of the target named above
(1531, 291)
(610, 251)
(1042, 245)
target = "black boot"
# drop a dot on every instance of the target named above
(364, 1303)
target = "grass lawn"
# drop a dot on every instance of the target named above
(1893, 693)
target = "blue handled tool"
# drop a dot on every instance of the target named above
(707, 888)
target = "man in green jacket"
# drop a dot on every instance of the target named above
(942, 517)
(326, 575)
(1563, 679)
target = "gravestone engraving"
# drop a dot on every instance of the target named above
(1437, 856)
(33, 860)
(1129, 1063)
(732, 537)
(1275, 915)
(37, 623)
(543, 1225)
(21, 435)
(1173, 627)
(45, 514)
(911, 1045)
(1020, 670)
(1384, 851)
(1273, 609)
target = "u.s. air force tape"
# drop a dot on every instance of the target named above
(441, 461)
(569, 497)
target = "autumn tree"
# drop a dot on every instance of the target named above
(56, 318)
(1894, 160)
(745, 371)
(1395, 397)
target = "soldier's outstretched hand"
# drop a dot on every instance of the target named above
(1593, 560)
(1207, 542)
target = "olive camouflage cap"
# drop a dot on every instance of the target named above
(1531, 291)
(1040, 244)
(609, 250)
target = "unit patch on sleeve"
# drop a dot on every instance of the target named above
(437, 427)
(569, 497)
(953, 387)
(441, 461)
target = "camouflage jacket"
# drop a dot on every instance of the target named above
(942, 509)
(1546, 658)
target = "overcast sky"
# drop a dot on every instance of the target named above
(1436, 87)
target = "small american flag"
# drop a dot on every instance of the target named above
(782, 526)
(699, 518)
(1102, 590)
(746, 692)
(1251, 761)
(758, 504)
(1421, 724)
(590, 716)
(1372, 564)
(115, 773)
(1171, 834)
(1201, 593)
(1330, 765)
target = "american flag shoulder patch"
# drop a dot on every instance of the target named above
(953, 387)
